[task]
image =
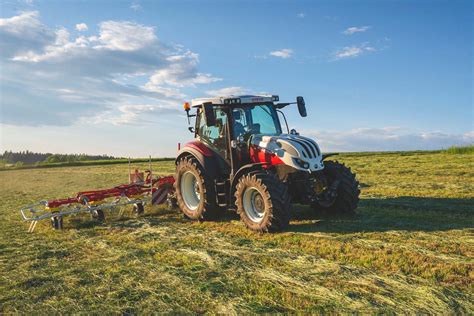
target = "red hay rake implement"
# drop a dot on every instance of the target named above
(138, 192)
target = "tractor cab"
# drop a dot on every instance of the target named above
(229, 126)
(242, 159)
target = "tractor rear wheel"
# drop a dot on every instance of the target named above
(346, 197)
(263, 202)
(194, 192)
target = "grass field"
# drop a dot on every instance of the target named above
(410, 248)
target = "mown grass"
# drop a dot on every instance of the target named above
(409, 249)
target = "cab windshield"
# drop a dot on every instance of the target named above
(255, 119)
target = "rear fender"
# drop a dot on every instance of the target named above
(205, 156)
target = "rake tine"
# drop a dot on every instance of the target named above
(32, 226)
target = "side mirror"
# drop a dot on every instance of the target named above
(301, 106)
(209, 114)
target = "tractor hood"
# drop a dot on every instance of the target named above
(299, 152)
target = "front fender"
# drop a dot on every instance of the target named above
(329, 155)
(243, 170)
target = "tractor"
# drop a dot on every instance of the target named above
(240, 159)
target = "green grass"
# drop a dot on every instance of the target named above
(460, 150)
(409, 249)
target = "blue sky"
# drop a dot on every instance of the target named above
(111, 76)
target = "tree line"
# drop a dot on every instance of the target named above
(29, 157)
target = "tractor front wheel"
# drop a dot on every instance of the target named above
(263, 202)
(194, 193)
(342, 199)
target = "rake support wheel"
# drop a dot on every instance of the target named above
(138, 208)
(57, 222)
(98, 215)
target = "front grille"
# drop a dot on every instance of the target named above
(311, 146)
(310, 149)
(306, 151)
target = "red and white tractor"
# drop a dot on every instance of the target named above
(241, 159)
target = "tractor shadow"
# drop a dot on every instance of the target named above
(373, 215)
(380, 215)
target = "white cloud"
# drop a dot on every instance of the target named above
(229, 91)
(301, 15)
(121, 74)
(25, 23)
(135, 114)
(282, 53)
(166, 91)
(135, 6)
(353, 51)
(125, 36)
(81, 27)
(113, 35)
(178, 72)
(388, 138)
(355, 29)
(22, 32)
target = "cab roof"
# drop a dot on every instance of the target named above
(235, 99)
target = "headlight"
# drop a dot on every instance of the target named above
(303, 164)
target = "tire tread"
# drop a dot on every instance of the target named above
(276, 194)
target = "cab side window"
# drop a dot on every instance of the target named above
(214, 135)
(240, 122)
